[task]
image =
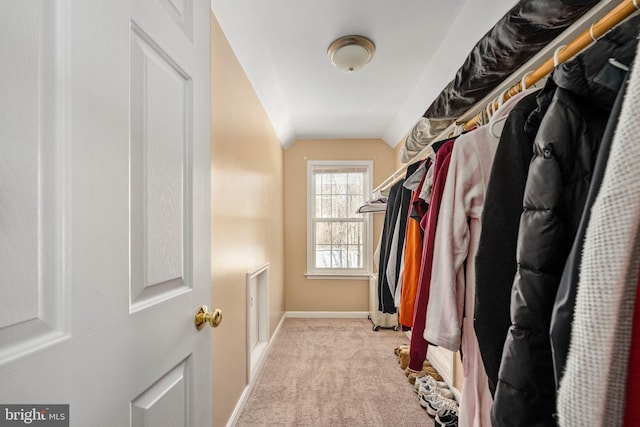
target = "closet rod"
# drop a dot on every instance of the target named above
(597, 30)
(400, 173)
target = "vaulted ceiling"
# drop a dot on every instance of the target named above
(282, 47)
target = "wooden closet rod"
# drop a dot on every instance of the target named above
(400, 173)
(597, 30)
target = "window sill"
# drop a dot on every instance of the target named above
(329, 276)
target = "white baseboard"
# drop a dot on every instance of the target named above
(258, 368)
(328, 314)
(443, 361)
(240, 405)
(277, 331)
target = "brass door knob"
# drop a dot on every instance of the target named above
(203, 315)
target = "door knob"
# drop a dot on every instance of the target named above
(203, 315)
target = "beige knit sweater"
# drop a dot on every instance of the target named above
(592, 391)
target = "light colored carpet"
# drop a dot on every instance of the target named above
(333, 372)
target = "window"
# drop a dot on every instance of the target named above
(339, 239)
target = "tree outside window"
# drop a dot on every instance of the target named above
(339, 238)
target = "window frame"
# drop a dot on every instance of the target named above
(367, 255)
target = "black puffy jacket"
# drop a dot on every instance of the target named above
(565, 149)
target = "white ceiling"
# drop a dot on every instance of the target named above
(282, 47)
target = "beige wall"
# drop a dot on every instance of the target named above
(250, 177)
(247, 217)
(396, 155)
(324, 295)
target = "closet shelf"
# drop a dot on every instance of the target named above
(563, 54)
(596, 30)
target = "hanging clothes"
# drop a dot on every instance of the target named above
(425, 192)
(418, 345)
(392, 263)
(632, 411)
(415, 177)
(496, 258)
(562, 316)
(413, 256)
(565, 150)
(385, 298)
(398, 295)
(592, 390)
(412, 180)
(392, 242)
(449, 318)
(395, 267)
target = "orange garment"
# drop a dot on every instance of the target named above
(412, 264)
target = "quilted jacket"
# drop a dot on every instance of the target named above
(564, 153)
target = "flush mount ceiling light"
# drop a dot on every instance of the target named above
(350, 53)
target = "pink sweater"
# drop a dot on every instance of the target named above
(452, 293)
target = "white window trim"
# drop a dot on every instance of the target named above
(344, 274)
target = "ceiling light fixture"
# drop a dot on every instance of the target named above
(351, 53)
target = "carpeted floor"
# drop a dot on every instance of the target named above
(333, 372)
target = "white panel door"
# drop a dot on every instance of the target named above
(105, 209)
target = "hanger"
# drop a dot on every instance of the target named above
(523, 82)
(493, 124)
(490, 111)
(556, 59)
(501, 101)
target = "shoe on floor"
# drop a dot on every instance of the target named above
(443, 391)
(448, 419)
(397, 350)
(426, 372)
(425, 365)
(427, 385)
(432, 373)
(427, 379)
(412, 375)
(436, 404)
(431, 398)
(404, 358)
